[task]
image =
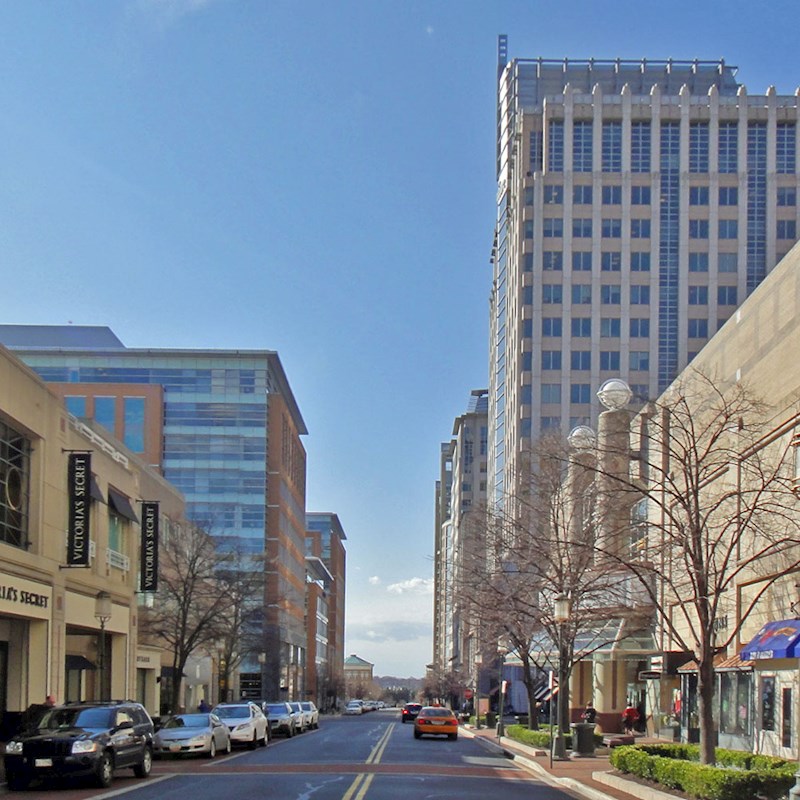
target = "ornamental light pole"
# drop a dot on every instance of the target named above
(562, 609)
(102, 613)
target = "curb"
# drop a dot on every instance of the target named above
(570, 784)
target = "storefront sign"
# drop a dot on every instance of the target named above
(149, 556)
(79, 477)
(24, 598)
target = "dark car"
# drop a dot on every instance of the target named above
(82, 739)
(410, 711)
(281, 718)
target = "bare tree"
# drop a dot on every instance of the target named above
(535, 552)
(188, 605)
(718, 513)
(238, 632)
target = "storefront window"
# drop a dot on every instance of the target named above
(786, 727)
(768, 704)
(735, 717)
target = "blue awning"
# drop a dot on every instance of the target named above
(779, 639)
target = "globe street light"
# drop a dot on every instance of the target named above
(615, 394)
(102, 613)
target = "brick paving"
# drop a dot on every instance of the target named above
(573, 774)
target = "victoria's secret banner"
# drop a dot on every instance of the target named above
(149, 565)
(79, 478)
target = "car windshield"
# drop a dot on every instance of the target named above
(295, 706)
(276, 708)
(96, 718)
(188, 721)
(234, 712)
(306, 706)
(413, 706)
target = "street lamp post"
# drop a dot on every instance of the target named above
(561, 614)
(477, 701)
(102, 613)
(502, 650)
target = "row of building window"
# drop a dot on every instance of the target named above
(611, 228)
(609, 360)
(610, 328)
(641, 141)
(611, 294)
(786, 196)
(551, 393)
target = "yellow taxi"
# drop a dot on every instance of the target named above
(436, 721)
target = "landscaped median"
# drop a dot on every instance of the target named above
(735, 776)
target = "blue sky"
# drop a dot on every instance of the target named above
(313, 178)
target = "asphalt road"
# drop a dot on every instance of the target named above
(371, 757)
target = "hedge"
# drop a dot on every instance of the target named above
(540, 738)
(736, 775)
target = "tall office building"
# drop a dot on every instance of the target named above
(460, 516)
(638, 204)
(224, 428)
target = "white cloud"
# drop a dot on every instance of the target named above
(429, 30)
(412, 586)
(374, 581)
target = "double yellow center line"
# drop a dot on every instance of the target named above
(358, 788)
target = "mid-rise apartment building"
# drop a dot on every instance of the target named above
(638, 204)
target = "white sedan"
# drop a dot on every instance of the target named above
(246, 722)
(354, 707)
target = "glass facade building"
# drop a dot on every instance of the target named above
(226, 427)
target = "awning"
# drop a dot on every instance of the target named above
(779, 639)
(722, 664)
(94, 491)
(78, 663)
(121, 505)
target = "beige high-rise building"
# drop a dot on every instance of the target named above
(638, 204)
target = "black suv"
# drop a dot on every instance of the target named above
(82, 739)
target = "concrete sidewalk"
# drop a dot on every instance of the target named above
(590, 778)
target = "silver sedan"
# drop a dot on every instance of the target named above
(186, 734)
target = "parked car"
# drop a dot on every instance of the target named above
(313, 712)
(302, 718)
(82, 739)
(354, 707)
(246, 722)
(435, 721)
(187, 734)
(410, 711)
(280, 717)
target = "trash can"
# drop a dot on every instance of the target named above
(582, 739)
(491, 719)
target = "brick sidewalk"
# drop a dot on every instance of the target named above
(574, 774)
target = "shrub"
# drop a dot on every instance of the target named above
(737, 775)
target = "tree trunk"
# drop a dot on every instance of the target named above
(530, 689)
(705, 708)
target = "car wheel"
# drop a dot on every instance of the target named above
(17, 782)
(142, 769)
(403, 720)
(452, 736)
(212, 749)
(105, 770)
(228, 747)
(252, 745)
(263, 740)
(417, 734)
(290, 732)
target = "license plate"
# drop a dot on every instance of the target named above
(174, 748)
(43, 762)
(438, 721)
